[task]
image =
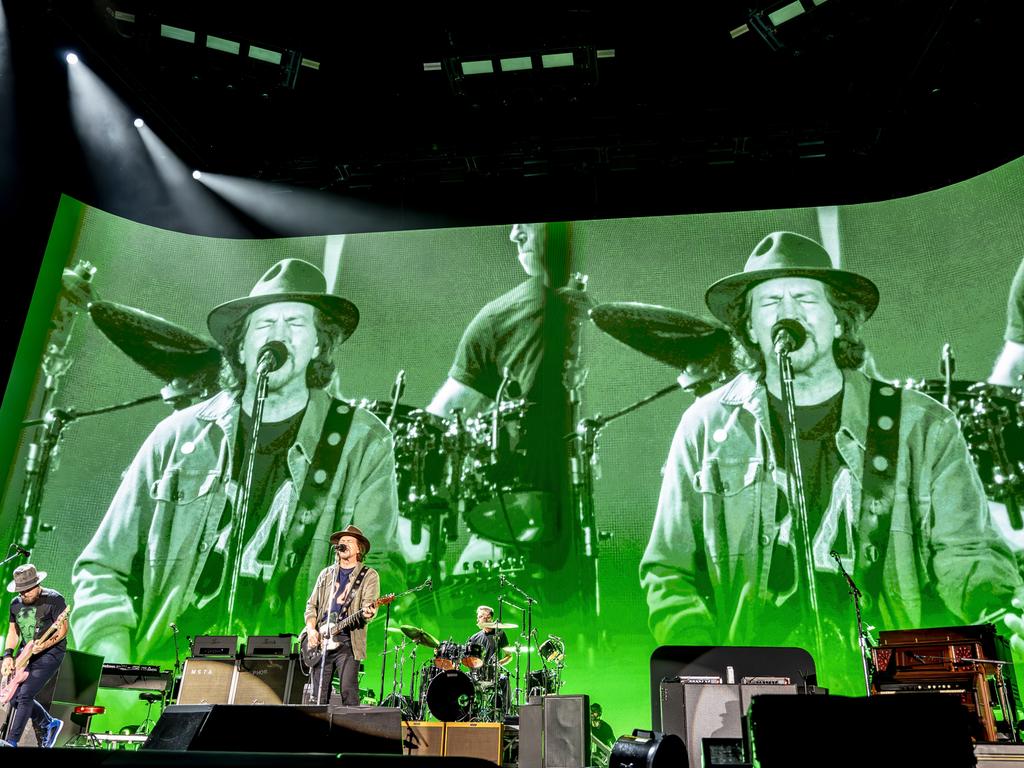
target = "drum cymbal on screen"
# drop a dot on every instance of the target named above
(670, 336)
(166, 350)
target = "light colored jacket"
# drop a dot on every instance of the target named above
(705, 570)
(140, 570)
(365, 597)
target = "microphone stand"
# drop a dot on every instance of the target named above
(863, 641)
(797, 497)
(428, 584)
(17, 553)
(241, 505)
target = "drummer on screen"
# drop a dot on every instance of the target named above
(490, 639)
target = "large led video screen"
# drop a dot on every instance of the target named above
(461, 396)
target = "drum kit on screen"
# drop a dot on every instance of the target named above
(462, 681)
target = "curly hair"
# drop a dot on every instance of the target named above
(848, 349)
(318, 373)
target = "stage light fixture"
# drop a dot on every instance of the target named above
(223, 44)
(264, 54)
(177, 33)
(139, 122)
(765, 22)
(555, 60)
(481, 67)
(516, 64)
(71, 58)
(197, 175)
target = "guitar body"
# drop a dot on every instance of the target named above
(329, 633)
(20, 674)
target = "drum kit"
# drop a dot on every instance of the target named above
(458, 682)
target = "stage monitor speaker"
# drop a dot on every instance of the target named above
(377, 729)
(480, 740)
(566, 731)
(923, 729)
(76, 682)
(177, 727)
(531, 735)
(261, 681)
(423, 737)
(206, 681)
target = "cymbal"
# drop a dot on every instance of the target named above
(418, 635)
(166, 350)
(497, 625)
(518, 649)
(670, 336)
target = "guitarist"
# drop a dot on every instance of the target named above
(33, 611)
(344, 589)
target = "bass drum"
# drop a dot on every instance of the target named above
(450, 696)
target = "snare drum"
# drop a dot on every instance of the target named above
(447, 655)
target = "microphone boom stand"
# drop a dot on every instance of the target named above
(863, 641)
(387, 621)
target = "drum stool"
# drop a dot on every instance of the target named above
(82, 717)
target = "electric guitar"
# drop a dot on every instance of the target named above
(10, 684)
(310, 655)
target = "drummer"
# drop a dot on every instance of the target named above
(490, 640)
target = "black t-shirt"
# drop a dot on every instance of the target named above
(602, 732)
(490, 642)
(33, 620)
(1015, 308)
(270, 471)
(524, 330)
(829, 523)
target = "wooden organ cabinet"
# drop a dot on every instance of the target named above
(971, 662)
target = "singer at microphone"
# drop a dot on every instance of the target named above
(300, 457)
(788, 336)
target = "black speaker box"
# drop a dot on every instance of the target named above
(566, 731)
(275, 728)
(798, 731)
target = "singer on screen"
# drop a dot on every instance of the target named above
(223, 520)
(885, 480)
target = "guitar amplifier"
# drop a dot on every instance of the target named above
(262, 681)
(269, 645)
(215, 646)
(423, 737)
(206, 681)
(481, 740)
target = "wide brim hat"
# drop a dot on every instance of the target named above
(288, 280)
(25, 577)
(353, 532)
(787, 254)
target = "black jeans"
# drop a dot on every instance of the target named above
(40, 670)
(342, 661)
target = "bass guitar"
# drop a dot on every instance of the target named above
(9, 686)
(329, 632)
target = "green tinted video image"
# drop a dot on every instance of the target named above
(658, 528)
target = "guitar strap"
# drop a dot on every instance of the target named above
(350, 591)
(881, 454)
(314, 490)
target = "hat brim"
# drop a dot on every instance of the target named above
(722, 293)
(338, 310)
(40, 575)
(336, 536)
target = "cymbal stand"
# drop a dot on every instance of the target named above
(428, 584)
(585, 470)
(530, 602)
(398, 671)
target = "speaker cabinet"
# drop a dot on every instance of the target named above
(566, 731)
(206, 681)
(377, 729)
(423, 737)
(178, 726)
(531, 735)
(695, 712)
(480, 740)
(262, 681)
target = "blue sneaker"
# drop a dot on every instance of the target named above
(51, 732)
